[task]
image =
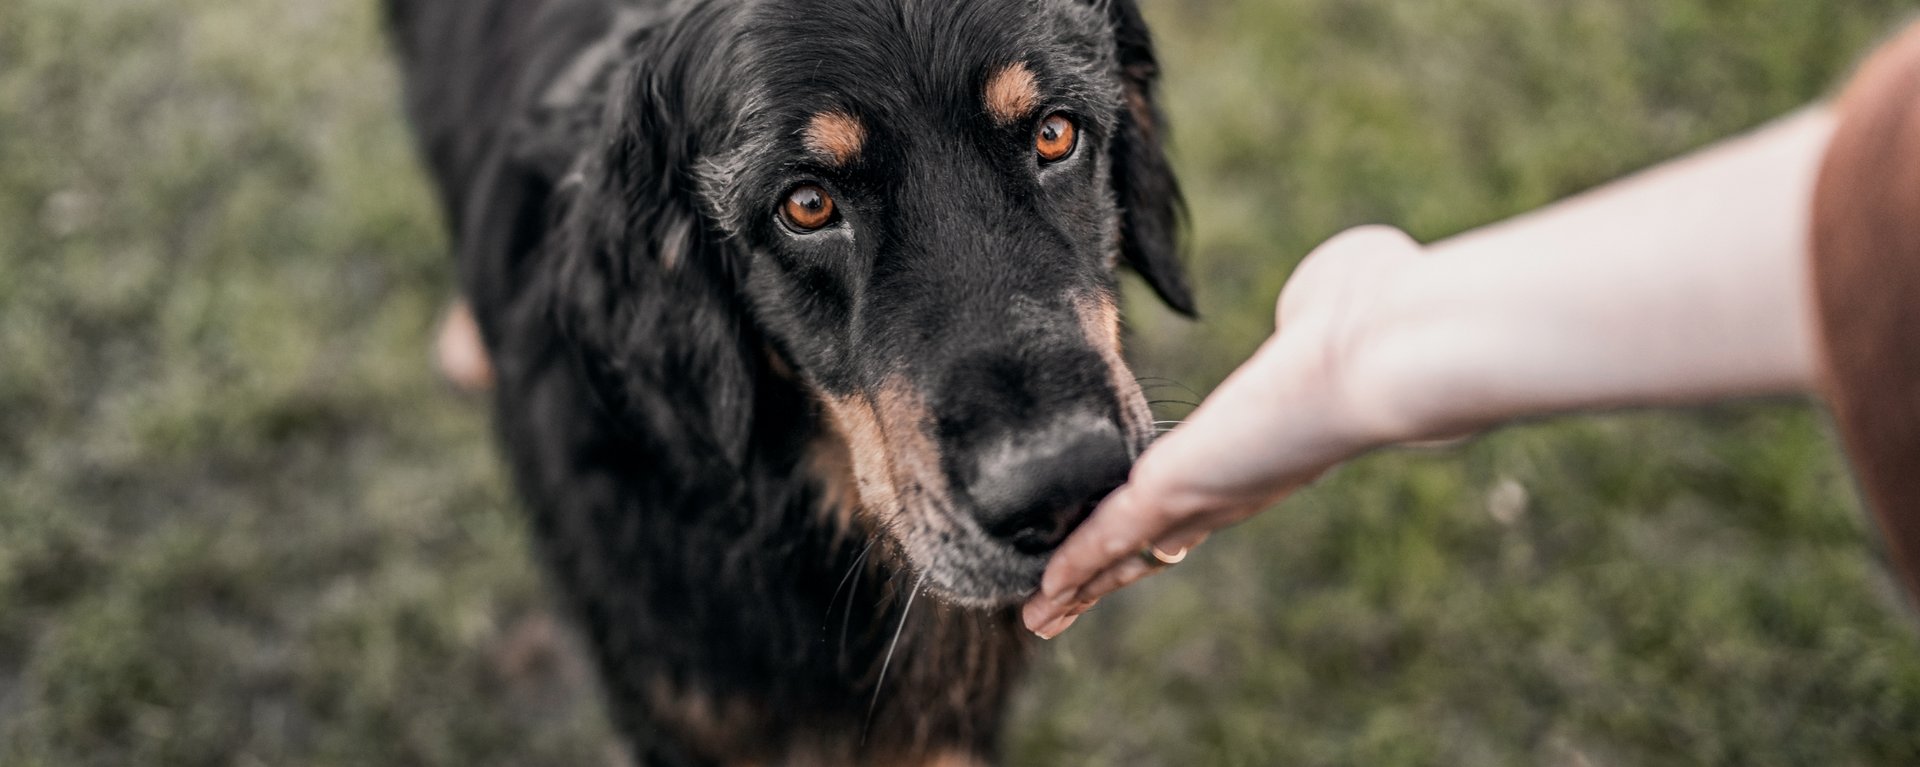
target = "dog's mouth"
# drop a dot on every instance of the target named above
(974, 569)
(986, 542)
(981, 578)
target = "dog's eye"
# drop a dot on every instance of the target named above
(1056, 138)
(808, 208)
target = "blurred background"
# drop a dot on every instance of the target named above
(241, 521)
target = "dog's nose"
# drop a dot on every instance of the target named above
(1032, 492)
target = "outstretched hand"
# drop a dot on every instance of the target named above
(1683, 284)
(1292, 411)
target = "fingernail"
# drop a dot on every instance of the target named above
(1035, 615)
(1042, 627)
(1059, 621)
(1058, 626)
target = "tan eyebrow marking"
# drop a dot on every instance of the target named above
(1012, 93)
(836, 137)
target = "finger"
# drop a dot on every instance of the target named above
(1039, 613)
(1117, 577)
(1116, 530)
(1121, 565)
(1175, 545)
(1047, 618)
(1134, 569)
(1043, 613)
(1058, 625)
(1184, 538)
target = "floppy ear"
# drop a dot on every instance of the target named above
(646, 290)
(1151, 209)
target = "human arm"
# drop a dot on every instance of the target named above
(1683, 284)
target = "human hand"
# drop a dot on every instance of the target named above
(1683, 284)
(1301, 404)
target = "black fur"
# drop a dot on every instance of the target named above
(673, 363)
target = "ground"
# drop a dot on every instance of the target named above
(242, 523)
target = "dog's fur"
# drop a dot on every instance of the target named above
(745, 448)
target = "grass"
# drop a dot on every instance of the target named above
(240, 522)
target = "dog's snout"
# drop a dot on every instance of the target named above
(1031, 493)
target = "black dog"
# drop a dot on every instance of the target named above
(800, 309)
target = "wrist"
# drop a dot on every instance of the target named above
(1334, 391)
(1279, 420)
(1413, 365)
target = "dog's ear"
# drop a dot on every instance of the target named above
(1151, 209)
(647, 290)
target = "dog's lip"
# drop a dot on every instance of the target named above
(984, 601)
(1026, 568)
(987, 602)
(960, 564)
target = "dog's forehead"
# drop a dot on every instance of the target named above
(884, 57)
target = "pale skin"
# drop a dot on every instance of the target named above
(1684, 284)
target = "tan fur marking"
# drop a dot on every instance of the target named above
(889, 448)
(859, 427)
(1100, 322)
(1012, 93)
(904, 416)
(831, 462)
(777, 364)
(836, 137)
(711, 727)
(829, 458)
(673, 248)
(1140, 108)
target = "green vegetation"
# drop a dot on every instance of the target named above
(241, 523)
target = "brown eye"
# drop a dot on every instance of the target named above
(808, 208)
(1056, 138)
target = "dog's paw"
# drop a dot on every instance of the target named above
(459, 353)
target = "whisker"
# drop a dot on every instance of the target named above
(857, 561)
(1170, 382)
(894, 645)
(1172, 402)
(846, 618)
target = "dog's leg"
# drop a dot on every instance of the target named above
(459, 353)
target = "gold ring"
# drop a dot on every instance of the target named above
(1157, 558)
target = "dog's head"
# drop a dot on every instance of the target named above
(915, 210)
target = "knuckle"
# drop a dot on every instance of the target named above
(1369, 237)
(1151, 486)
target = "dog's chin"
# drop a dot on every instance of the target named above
(976, 596)
(978, 575)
